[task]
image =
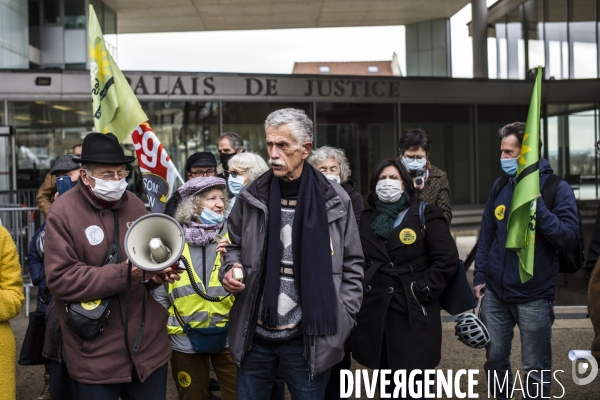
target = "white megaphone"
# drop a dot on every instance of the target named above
(154, 242)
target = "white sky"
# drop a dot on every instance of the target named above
(275, 51)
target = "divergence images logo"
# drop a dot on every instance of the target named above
(581, 367)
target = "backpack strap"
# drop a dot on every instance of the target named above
(549, 190)
(498, 188)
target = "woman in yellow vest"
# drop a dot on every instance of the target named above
(197, 303)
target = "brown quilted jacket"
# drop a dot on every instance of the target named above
(437, 191)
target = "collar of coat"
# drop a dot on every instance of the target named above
(260, 188)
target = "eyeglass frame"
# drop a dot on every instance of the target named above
(202, 174)
(412, 158)
(105, 177)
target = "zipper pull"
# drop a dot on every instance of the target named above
(413, 293)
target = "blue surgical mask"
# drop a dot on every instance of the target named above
(509, 165)
(416, 164)
(235, 184)
(209, 217)
(64, 183)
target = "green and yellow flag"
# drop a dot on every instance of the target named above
(521, 222)
(115, 107)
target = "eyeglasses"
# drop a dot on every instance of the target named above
(107, 176)
(199, 173)
(413, 158)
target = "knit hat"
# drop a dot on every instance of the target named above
(64, 164)
(200, 184)
(201, 159)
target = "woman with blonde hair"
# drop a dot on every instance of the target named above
(243, 169)
(198, 305)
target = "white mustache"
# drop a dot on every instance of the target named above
(279, 163)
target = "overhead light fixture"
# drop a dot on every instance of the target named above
(44, 121)
(43, 81)
(61, 108)
(39, 102)
(82, 113)
(21, 118)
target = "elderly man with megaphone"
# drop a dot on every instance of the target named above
(102, 302)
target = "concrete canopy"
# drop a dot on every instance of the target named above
(141, 16)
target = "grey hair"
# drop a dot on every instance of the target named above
(234, 139)
(188, 208)
(300, 125)
(321, 154)
(251, 162)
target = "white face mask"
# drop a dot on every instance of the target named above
(389, 190)
(109, 190)
(335, 178)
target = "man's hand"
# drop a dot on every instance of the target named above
(166, 275)
(230, 284)
(478, 290)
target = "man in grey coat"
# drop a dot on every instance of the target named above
(294, 236)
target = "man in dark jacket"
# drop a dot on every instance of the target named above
(57, 383)
(199, 164)
(46, 192)
(294, 236)
(508, 302)
(228, 145)
(128, 359)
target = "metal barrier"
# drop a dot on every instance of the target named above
(26, 197)
(21, 224)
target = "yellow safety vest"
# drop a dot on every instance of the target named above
(194, 310)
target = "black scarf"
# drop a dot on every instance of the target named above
(313, 271)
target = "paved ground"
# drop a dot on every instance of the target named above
(568, 334)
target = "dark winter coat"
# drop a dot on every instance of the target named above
(79, 232)
(356, 198)
(35, 261)
(248, 223)
(172, 204)
(498, 267)
(594, 249)
(404, 322)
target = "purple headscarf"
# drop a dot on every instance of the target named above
(195, 233)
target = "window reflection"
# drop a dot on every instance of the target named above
(572, 133)
(366, 132)
(248, 121)
(450, 128)
(561, 35)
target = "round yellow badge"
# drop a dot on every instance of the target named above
(500, 212)
(408, 236)
(184, 379)
(90, 305)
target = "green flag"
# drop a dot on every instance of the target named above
(115, 107)
(521, 221)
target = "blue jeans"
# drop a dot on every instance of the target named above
(535, 319)
(286, 360)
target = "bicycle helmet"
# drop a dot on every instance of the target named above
(470, 330)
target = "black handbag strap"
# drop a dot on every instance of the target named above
(140, 331)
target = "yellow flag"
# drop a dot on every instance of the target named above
(115, 107)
